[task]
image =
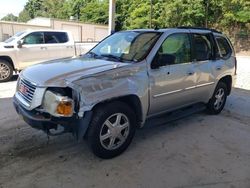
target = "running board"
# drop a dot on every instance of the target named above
(174, 115)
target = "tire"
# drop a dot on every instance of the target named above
(111, 130)
(218, 100)
(6, 71)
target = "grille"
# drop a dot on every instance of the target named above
(26, 90)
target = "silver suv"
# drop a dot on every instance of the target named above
(128, 78)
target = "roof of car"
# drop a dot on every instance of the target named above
(44, 30)
(179, 28)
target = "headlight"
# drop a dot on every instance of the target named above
(57, 105)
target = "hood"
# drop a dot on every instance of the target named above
(57, 72)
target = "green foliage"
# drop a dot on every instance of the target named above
(223, 14)
(95, 12)
(34, 8)
(24, 16)
(10, 17)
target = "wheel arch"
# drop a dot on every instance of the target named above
(8, 59)
(228, 81)
(132, 100)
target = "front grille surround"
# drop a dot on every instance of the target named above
(26, 90)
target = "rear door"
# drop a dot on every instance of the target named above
(59, 45)
(226, 61)
(203, 60)
(171, 86)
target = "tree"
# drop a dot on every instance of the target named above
(23, 16)
(226, 15)
(10, 17)
(54, 9)
(34, 8)
(95, 12)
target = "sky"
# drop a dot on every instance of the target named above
(11, 6)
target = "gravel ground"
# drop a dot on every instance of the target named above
(197, 151)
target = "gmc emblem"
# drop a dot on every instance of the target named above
(23, 89)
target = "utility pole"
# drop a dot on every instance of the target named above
(206, 13)
(151, 13)
(112, 16)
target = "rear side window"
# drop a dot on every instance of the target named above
(224, 47)
(55, 37)
(202, 47)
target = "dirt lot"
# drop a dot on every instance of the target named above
(197, 151)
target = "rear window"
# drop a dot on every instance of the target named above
(224, 47)
(55, 37)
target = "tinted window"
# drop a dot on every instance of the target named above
(55, 37)
(177, 45)
(34, 38)
(224, 47)
(202, 47)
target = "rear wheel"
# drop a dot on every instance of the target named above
(6, 71)
(217, 102)
(111, 129)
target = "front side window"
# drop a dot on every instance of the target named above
(177, 46)
(224, 47)
(202, 47)
(55, 37)
(126, 46)
(34, 38)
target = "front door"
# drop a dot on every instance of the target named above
(171, 85)
(33, 50)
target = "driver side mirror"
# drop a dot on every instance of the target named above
(20, 43)
(161, 60)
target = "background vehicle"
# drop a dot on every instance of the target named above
(126, 80)
(30, 47)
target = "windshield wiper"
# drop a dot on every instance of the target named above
(109, 56)
(116, 58)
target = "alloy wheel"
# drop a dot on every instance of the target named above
(4, 71)
(114, 131)
(219, 98)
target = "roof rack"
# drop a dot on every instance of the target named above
(200, 28)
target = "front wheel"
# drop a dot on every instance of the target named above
(6, 71)
(111, 130)
(218, 100)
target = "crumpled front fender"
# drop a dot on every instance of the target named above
(112, 84)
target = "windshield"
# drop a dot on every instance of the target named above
(125, 46)
(18, 34)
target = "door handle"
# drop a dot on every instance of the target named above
(190, 73)
(43, 48)
(218, 68)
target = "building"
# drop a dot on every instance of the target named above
(82, 32)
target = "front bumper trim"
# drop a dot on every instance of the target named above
(43, 121)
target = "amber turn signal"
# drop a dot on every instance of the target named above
(65, 108)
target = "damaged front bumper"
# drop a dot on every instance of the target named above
(44, 121)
